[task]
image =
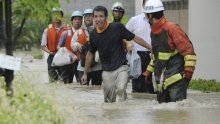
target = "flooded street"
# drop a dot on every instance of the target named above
(85, 105)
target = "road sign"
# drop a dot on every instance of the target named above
(10, 62)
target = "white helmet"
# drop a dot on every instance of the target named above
(77, 13)
(152, 6)
(118, 6)
(57, 9)
(88, 11)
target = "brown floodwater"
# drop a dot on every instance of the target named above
(84, 104)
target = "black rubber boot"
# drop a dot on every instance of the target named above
(9, 76)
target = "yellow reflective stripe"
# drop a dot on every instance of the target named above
(152, 57)
(150, 68)
(189, 57)
(174, 53)
(152, 62)
(166, 55)
(172, 80)
(190, 63)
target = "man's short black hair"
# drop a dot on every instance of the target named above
(101, 8)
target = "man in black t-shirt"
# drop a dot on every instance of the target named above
(107, 39)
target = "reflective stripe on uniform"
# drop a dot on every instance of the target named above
(171, 80)
(189, 57)
(152, 57)
(151, 62)
(166, 55)
(150, 68)
(190, 63)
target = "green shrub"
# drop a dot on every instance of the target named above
(205, 85)
(27, 106)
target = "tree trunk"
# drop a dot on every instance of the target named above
(2, 35)
(9, 44)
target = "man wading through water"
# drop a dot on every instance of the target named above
(107, 39)
(173, 59)
(49, 41)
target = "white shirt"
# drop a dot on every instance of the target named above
(140, 26)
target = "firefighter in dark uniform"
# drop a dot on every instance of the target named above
(173, 59)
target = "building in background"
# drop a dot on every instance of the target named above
(81, 5)
(204, 26)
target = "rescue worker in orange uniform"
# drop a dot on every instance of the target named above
(67, 72)
(50, 39)
(80, 43)
(173, 59)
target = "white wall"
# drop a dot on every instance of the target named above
(138, 6)
(204, 32)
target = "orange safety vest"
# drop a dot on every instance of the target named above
(53, 37)
(69, 36)
(82, 37)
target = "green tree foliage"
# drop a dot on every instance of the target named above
(37, 15)
(27, 106)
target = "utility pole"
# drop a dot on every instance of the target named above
(2, 35)
(8, 22)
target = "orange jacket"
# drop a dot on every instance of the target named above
(53, 37)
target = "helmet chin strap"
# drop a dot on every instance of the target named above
(117, 20)
(150, 19)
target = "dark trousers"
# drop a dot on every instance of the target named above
(94, 76)
(53, 71)
(66, 73)
(76, 72)
(139, 85)
(176, 92)
(8, 75)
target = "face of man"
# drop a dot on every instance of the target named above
(77, 22)
(57, 17)
(88, 19)
(117, 14)
(100, 19)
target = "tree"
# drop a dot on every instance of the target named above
(37, 15)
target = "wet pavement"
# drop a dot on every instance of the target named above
(84, 104)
